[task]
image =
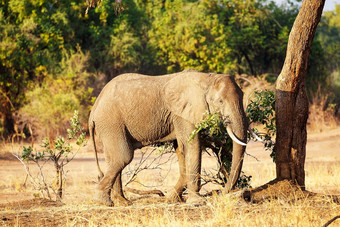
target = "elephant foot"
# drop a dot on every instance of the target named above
(173, 197)
(121, 201)
(196, 199)
(103, 198)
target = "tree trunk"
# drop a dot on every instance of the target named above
(291, 98)
(292, 111)
(7, 121)
(59, 173)
(6, 114)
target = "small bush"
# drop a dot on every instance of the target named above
(60, 152)
(261, 110)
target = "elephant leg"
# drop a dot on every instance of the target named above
(192, 153)
(118, 154)
(193, 170)
(118, 192)
(175, 195)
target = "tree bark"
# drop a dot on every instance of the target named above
(7, 121)
(291, 98)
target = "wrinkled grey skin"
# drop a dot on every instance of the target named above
(135, 110)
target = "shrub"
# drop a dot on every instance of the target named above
(60, 152)
(261, 110)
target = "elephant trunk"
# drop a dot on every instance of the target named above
(239, 128)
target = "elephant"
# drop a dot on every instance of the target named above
(134, 110)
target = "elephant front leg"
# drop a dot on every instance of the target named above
(193, 158)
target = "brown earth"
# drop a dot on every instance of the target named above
(22, 206)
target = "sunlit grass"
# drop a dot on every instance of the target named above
(80, 208)
(219, 211)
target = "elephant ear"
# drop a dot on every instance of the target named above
(185, 95)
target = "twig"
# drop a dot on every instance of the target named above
(138, 168)
(170, 158)
(252, 156)
(33, 179)
(147, 186)
(155, 163)
(43, 180)
(211, 178)
(330, 221)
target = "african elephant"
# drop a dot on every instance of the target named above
(135, 110)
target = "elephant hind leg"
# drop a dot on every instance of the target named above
(118, 194)
(118, 154)
(105, 186)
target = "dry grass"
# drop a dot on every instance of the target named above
(81, 210)
(219, 211)
(323, 177)
(321, 117)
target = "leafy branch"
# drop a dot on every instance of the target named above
(261, 109)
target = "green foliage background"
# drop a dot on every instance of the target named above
(54, 58)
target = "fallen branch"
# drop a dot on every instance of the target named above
(144, 192)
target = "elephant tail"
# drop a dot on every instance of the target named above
(91, 129)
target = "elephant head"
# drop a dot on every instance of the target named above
(197, 93)
(225, 96)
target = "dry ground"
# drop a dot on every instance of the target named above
(19, 206)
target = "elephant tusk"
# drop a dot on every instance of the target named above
(233, 137)
(254, 135)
